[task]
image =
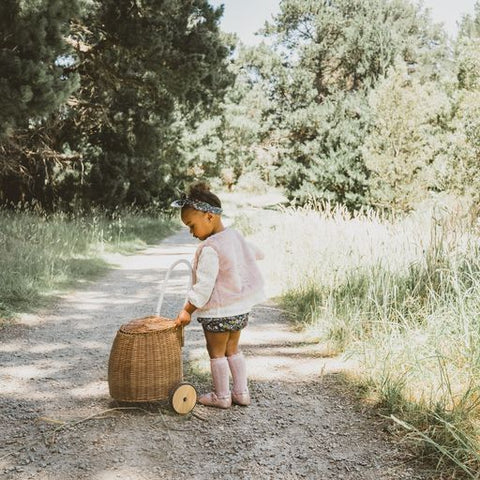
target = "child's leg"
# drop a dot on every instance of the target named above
(216, 346)
(238, 367)
(216, 343)
(240, 394)
(232, 343)
(221, 344)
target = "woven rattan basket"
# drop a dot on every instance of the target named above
(145, 361)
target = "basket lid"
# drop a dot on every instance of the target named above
(153, 323)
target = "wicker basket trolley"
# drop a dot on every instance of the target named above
(145, 361)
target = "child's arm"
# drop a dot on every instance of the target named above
(185, 315)
(206, 274)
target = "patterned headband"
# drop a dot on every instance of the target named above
(196, 205)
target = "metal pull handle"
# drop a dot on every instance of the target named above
(165, 281)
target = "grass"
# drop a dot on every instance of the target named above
(401, 296)
(40, 254)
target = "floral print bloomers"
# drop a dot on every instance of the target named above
(224, 324)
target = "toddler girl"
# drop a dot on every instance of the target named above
(226, 285)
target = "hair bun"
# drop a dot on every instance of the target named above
(201, 191)
(198, 188)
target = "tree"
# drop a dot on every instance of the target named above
(464, 150)
(404, 149)
(145, 71)
(32, 45)
(231, 143)
(327, 56)
(467, 51)
(142, 66)
(33, 86)
(470, 24)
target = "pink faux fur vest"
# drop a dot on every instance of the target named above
(239, 276)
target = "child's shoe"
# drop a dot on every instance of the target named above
(212, 400)
(241, 398)
(220, 397)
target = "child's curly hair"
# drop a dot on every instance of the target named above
(200, 191)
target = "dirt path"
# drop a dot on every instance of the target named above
(53, 369)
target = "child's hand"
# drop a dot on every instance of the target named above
(183, 318)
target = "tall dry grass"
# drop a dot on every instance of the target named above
(400, 296)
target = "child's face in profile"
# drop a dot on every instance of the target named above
(201, 224)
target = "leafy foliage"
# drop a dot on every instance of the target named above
(232, 143)
(403, 149)
(329, 55)
(121, 102)
(464, 147)
(136, 87)
(33, 90)
(143, 69)
(32, 46)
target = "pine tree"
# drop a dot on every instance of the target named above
(143, 71)
(464, 153)
(229, 144)
(404, 149)
(146, 68)
(32, 50)
(33, 89)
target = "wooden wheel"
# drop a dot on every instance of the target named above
(183, 398)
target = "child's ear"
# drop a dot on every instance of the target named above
(209, 216)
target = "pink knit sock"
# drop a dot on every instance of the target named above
(238, 368)
(220, 376)
(221, 396)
